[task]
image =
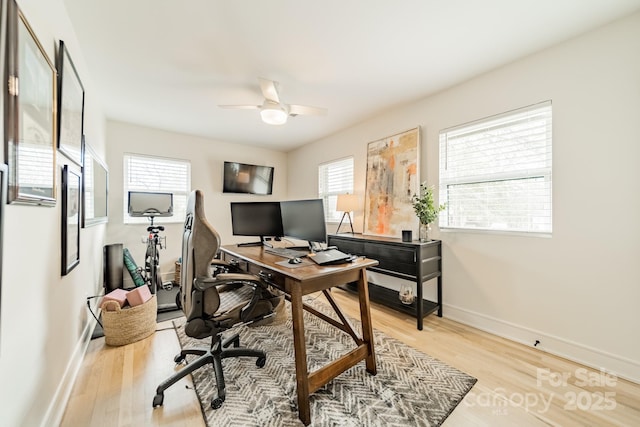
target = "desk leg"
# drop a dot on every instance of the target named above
(302, 373)
(365, 317)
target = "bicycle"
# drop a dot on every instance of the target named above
(152, 275)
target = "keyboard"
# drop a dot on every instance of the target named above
(287, 252)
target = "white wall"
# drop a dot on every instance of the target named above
(577, 292)
(44, 322)
(206, 157)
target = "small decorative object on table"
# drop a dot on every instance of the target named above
(426, 210)
(406, 294)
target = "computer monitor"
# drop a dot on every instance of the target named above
(262, 219)
(304, 219)
(150, 204)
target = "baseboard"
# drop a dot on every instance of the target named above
(592, 357)
(55, 412)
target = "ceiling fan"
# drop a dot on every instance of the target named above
(272, 110)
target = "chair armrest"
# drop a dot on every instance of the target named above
(216, 261)
(204, 283)
(238, 277)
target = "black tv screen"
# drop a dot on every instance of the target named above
(248, 179)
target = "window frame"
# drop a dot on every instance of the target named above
(329, 198)
(502, 178)
(179, 214)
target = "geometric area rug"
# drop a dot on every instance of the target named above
(410, 389)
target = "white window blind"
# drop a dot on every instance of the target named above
(495, 173)
(157, 174)
(334, 178)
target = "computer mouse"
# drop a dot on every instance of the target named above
(295, 260)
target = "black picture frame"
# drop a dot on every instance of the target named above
(71, 190)
(95, 189)
(30, 119)
(70, 107)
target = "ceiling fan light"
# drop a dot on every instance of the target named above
(273, 115)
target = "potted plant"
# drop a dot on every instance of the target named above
(425, 209)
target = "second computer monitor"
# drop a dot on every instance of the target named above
(304, 219)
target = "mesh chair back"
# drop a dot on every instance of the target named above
(200, 244)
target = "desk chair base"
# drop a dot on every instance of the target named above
(214, 356)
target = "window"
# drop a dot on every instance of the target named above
(495, 173)
(334, 178)
(157, 174)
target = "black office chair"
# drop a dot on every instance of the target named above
(215, 296)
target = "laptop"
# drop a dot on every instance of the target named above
(328, 257)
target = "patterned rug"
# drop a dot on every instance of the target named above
(410, 389)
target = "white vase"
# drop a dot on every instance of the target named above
(424, 231)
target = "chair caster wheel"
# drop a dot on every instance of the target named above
(217, 402)
(158, 399)
(179, 358)
(261, 362)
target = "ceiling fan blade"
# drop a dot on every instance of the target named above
(241, 107)
(294, 110)
(269, 89)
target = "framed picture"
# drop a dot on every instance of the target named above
(3, 201)
(71, 180)
(70, 107)
(95, 189)
(30, 115)
(392, 178)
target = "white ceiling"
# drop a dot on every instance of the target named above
(168, 64)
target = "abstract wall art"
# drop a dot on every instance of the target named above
(392, 178)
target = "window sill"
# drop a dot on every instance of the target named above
(546, 235)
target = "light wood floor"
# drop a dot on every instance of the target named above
(517, 385)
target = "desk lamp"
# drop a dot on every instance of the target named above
(347, 203)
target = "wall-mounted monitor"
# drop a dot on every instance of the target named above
(150, 204)
(248, 179)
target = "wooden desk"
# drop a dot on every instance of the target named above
(302, 280)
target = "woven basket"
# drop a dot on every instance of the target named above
(123, 326)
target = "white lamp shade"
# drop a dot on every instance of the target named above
(348, 203)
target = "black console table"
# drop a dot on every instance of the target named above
(416, 261)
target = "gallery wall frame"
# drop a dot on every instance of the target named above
(71, 205)
(70, 107)
(29, 114)
(3, 201)
(3, 167)
(95, 189)
(392, 179)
